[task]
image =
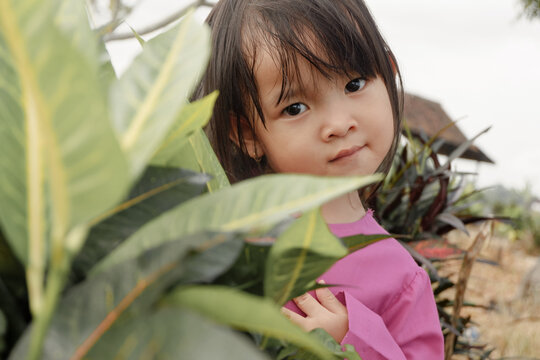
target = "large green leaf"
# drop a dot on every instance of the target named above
(296, 353)
(301, 254)
(192, 117)
(146, 100)
(249, 205)
(158, 190)
(59, 150)
(197, 154)
(357, 242)
(125, 291)
(173, 333)
(245, 312)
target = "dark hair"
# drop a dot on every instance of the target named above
(334, 36)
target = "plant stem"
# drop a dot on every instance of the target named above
(55, 282)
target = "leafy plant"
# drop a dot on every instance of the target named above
(107, 246)
(421, 200)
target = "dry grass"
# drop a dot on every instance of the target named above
(511, 325)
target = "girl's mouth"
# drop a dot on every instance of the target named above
(346, 153)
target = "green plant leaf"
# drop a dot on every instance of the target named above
(71, 18)
(356, 242)
(459, 151)
(173, 333)
(147, 98)
(52, 113)
(125, 291)
(197, 154)
(301, 254)
(158, 190)
(249, 205)
(452, 220)
(193, 116)
(244, 312)
(294, 352)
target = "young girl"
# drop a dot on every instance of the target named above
(310, 86)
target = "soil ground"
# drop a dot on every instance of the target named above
(508, 323)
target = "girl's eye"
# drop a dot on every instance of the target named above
(295, 109)
(355, 85)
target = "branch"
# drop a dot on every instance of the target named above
(153, 27)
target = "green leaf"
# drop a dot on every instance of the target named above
(452, 220)
(140, 40)
(158, 190)
(192, 117)
(197, 154)
(293, 352)
(301, 254)
(147, 98)
(208, 161)
(249, 205)
(71, 18)
(173, 333)
(459, 151)
(125, 291)
(360, 241)
(244, 312)
(53, 115)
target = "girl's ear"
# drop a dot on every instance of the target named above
(252, 144)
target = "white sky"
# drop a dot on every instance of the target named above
(475, 57)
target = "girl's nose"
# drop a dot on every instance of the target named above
(338, 125)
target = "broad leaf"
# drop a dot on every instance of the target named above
(158, 190)
(300, 255)
(245, 312)
(148, 97)
(250, 205)
(192, 117)
(296, 353)
(197, 154)
(208, 161)
(127, 290)
(173, 333)
(356, 242)
(53, 115)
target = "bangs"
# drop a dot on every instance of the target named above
(323, 33)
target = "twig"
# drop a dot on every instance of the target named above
(158, 25)
(461, 286)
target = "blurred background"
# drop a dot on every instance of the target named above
(477, 59)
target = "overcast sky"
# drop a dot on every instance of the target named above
(477, 58)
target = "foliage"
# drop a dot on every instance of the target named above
(107, 246)
(423, 199)
(519, 206)
(531, 8)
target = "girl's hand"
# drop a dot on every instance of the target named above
(328, 313)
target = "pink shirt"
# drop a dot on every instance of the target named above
(392, 312)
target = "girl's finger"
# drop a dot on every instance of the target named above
(308, 304)
(329, 301)
(294, 317)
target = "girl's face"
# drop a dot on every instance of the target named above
(334, 127)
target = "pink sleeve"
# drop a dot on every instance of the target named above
(407, 329)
